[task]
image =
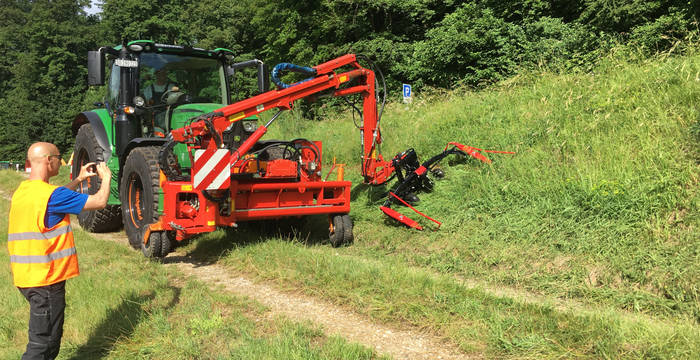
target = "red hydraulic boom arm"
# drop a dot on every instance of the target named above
(342, 76)
(375, 169)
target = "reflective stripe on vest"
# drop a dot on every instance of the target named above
(37, 235)
(40, 259)
(39, 255)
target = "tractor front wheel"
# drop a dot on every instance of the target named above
(87, 150)
(139, 195)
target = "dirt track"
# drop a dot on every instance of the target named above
(403, 343)
(399, 343)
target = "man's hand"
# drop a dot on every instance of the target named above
(104, 172)
(86, 172)
(99, 199)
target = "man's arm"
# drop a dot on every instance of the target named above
(99, 200)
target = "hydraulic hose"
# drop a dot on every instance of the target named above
(281, 68)
(168, 161)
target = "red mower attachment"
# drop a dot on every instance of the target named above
(474, 152)
(413, 177)
(403, 219)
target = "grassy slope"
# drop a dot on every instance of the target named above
(600, 205)
(123, 306)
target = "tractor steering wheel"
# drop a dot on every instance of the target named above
(164, 97)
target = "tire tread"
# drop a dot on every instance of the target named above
(106, 219)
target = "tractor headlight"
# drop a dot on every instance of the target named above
(135, 47)
(250, 126)
(139, 101)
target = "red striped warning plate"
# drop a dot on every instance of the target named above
(212, 169)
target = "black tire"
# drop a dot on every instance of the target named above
(341, 232)
(138, 192)
(348, 237)
(336, 230)
(152, 249)
(159, 244)
(87, 150)
(167, 242)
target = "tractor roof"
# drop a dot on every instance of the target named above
(150, 46)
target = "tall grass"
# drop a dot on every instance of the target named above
(599, 206)
(600, 203)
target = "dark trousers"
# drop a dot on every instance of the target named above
(46, 309)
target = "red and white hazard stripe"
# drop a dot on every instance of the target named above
(212, 170)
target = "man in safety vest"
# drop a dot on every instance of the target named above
(40, 243)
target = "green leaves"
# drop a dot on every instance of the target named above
(43, 72)
(427, 43)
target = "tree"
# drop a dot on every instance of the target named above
(46, 79)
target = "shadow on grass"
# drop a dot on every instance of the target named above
(374, 194)
(119, 323)
(208, 248)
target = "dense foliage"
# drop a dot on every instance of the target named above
(428, 43)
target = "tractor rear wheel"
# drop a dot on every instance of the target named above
(139, 195)
(87, 150)
(340, 230)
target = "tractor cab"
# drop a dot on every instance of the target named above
(164, 82)
(153, 88)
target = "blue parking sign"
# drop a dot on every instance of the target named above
(407, 92)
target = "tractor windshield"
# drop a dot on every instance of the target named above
(201, 78)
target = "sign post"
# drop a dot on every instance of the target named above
(407, 94)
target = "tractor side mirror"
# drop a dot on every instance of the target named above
(263, 78)
(96, 68)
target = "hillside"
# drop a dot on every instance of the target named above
(583, 244)
(600, 204)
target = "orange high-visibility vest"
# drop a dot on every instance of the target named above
(38, 255)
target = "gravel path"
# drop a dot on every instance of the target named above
(399, 343)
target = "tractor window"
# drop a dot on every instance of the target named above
(113, 95)
(198, 77)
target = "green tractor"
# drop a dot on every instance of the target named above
(151, 89)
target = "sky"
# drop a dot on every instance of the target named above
(94, 8)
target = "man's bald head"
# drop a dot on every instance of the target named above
(39, 150)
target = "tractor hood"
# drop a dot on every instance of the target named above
(183, 113)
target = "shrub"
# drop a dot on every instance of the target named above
(470, 46)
